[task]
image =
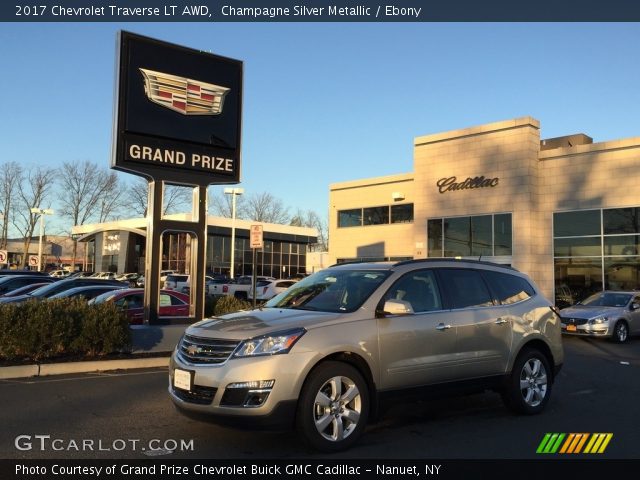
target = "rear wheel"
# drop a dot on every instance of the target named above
(529, 387)
(333, 407)
(620, 332)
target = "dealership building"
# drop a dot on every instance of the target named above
(564, 210)
(120, 246)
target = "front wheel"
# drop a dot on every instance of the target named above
(528, 388)
(620, 332)
(333, 407)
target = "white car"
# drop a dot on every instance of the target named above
(267, 289)
(60, 273)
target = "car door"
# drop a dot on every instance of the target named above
(484, 333)
(416, 348)
(133, 305)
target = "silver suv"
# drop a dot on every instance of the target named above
(326, 353)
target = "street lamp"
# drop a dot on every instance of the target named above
(233, 192)
(42, 212)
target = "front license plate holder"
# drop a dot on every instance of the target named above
(571, 328)
(183, 379)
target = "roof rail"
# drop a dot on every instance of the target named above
(445, 259)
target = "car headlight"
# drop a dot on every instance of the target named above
(598, 320)
(272, 344)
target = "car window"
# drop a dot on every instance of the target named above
(131, 301)
(176, 300)
(607, 299)
(165, 300)
(286, 284)
(331, 291)
(419, 289)
(507, 288)
(465, 288)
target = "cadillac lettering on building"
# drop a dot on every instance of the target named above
(450, 183)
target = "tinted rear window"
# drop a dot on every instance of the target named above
(466, 288)
(508, 288)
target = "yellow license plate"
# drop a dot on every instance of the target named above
(571, 328)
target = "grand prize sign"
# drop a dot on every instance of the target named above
(177, 120)
(178, 113)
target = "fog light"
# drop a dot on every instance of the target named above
(253, 384)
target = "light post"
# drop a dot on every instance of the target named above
(42, 212)
(233, 192)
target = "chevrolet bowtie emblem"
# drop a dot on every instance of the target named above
(192, 350)
(184, 95)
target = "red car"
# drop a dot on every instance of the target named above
(172, 304)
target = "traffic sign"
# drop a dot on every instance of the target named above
(256, 240)
(4, 256)
(34, 261)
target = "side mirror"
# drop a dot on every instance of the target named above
(634, 306)
(397, 307)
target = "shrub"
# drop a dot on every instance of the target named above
(230, 304)
(63, 327)
(210, 306)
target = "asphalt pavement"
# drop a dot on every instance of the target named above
(128, 414)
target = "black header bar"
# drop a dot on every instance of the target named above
(319, 11)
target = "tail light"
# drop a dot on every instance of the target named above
(264, 290)
(225, 288)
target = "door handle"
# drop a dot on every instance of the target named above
(442, 326)
(501, 321)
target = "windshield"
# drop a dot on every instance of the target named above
(331, 291)
(49, 289)
(607, 299)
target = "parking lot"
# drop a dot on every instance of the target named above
(129, 415)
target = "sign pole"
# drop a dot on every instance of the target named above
(254, 279)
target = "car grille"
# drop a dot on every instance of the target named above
(209, 351)
(197, 394)
(574, 321)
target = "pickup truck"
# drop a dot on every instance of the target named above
(238, 288)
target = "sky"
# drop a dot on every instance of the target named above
(329, 102)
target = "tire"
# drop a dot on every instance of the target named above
(333, 408)
(528, 388)
(620, 332)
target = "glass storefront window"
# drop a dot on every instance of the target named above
(576, 279)
(576, 224)
(481, 236)
(375, 216)
(402, 213)
(502, 236)
(434, 237)
(456, 237)
(577, 247)
(621, 220)
(622, 273)
(350, 218)
(622, 245)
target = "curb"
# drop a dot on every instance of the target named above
(22, 371)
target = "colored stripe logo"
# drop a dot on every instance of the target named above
(563, 443)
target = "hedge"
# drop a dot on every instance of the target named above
(63, 327)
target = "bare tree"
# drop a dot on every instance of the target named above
(264, 207)
(10, 178)
(33, 192)
(221, 205)
(87, 193)
(311, 219)
(175, 199)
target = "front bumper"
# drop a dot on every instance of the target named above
(586, 330)
(210, 396)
